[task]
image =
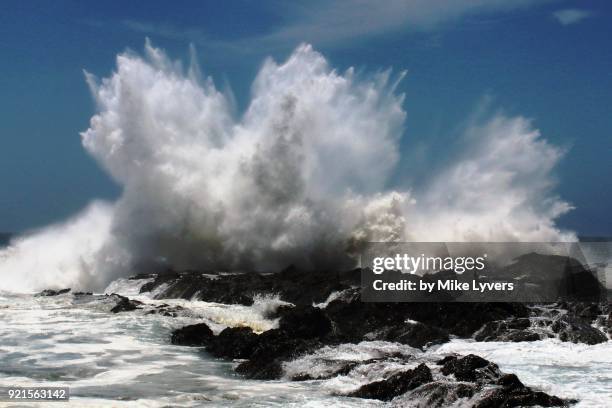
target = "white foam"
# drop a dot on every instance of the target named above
(560, 368)
(127, 287)
(298, 178)
(126, 360)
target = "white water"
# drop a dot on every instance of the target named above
(301, 177)
(559, 368)
(125, 359)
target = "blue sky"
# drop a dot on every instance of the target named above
(547, 60)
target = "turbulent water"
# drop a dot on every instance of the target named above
(125, 359)
(300, 177)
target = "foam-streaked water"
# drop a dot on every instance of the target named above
(565, 369)
(125, 359)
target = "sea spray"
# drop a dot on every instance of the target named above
(299, 178)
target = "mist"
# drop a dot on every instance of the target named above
(300, 178)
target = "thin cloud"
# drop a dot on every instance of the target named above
(338, 22)
(571, 16)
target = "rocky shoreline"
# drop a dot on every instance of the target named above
(322, 311)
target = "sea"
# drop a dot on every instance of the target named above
(126, 359)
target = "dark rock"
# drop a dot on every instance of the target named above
(510, 380)
(505, 390)
(575, 330)
(124, 304)
(353, 318)
(292, 284)
(336, 368)
(307, 287)
(452, 316)
(273, 348)
(518, 396)
(395, 385)
(447, 359)
(470, 368)
(344, 369)
(587, 311)
(168, 276)
(83, 293)
(233, 343)
(51, 292)
(554, 276)
(305, 322)
(193, 335)
(279, 312)
(227, 289)
(415, 335)
(168, 311)
(520, 335)
(506, 330)
(437, 394)
(143, 276)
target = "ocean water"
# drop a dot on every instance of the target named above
(125, 359)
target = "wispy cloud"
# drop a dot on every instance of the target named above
(338, 22)
(571, 16)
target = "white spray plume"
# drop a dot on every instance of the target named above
(62, 255)
(298, 179)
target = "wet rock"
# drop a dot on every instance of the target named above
(354, 319)
(273, 348)
(437, 394)
(210, 287)
(471, 378)
(470, 368)
(51, 292)
(305, 322)
(233, 343)
(194, 335)
(520, 335)
(452, 316)
(524, 397)
(124, 304)
(506, 330)
(395, 385)
(159, 279)
(572, 329)
(83, 293)
(279, 312)
(415, 335)
(510, 380)
(292, 285)
(333, 367)
(310, 287)
(584, 310)
(344, 369)
(552, 276)
(168, 311)
(513, 393)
